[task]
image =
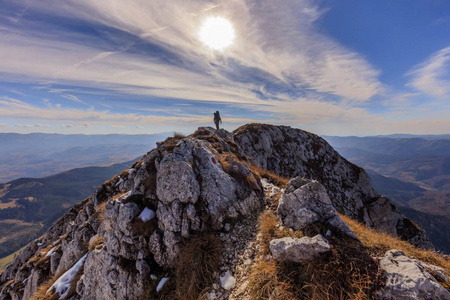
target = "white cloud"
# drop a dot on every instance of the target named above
(432, 76)
(3, 125)
(73, 98)
(66, 125)
(276, 37)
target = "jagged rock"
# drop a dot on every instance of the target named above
(408, 278)
(293, 152)
(298, 250)
(305, 202)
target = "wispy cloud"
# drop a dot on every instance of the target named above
(66, 125)
(3, 125)
(432, 76)
(276, 38)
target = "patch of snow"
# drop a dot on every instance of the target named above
(50, 252)
(39, 244)
(119, 182)
(227, 281)
(153, 276)
(161, 284)
(131, 171)
(147, 214)
(62, 285)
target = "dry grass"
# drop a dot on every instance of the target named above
(197, 261)
(273, 178)
(378, 243)
(101, 212)
(171, 142)
(228, 164)
(348, 272)
(269, 230)
(266, 280)
(98, 240)
(41, 292)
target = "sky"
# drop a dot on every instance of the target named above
(332, 67)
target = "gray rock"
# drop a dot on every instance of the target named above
(408, 278)
(306, 201)
(293, 152)
(298, 250)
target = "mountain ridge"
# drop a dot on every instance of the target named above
(214, 184)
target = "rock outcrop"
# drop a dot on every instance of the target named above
(299, 249)
(305, 202)
(129, 234)
(293, 152)
(411, 279)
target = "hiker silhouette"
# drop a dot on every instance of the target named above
(217, 119)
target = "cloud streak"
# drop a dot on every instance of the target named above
(432, 76)
(277, 39)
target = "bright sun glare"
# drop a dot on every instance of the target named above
(217, 33)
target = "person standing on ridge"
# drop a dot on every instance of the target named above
(217, 119)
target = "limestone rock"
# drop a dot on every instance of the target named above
(298, 250)
(305, 202)
(408, 278)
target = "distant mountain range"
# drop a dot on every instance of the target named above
(414, 172)
(28, 206)
(39, 154)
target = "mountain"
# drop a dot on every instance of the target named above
(263, 212)
(40, 154)
(413, 172)
(30, 205)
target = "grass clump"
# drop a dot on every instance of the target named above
(273, 178)
(378, 243)
(96, 241)
(348, 272)
(197, 261)
(41, 292)
(171, 142)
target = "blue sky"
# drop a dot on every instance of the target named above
(333, 67)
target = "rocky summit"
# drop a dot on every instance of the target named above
(220, 215)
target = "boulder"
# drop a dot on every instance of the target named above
(305, 202)
(410, 279)
(298, 250)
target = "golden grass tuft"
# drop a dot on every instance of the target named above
(267, 225)
(41, 292)
(378, 243)
(101, 212)
(268, 229)
(273, 178)
(98, 240)
(171, 142)
(266, 282)
(197, 261)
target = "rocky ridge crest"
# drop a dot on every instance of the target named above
(134, 227)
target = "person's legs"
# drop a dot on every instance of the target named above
(217, 124)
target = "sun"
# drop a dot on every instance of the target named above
(217, 33)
